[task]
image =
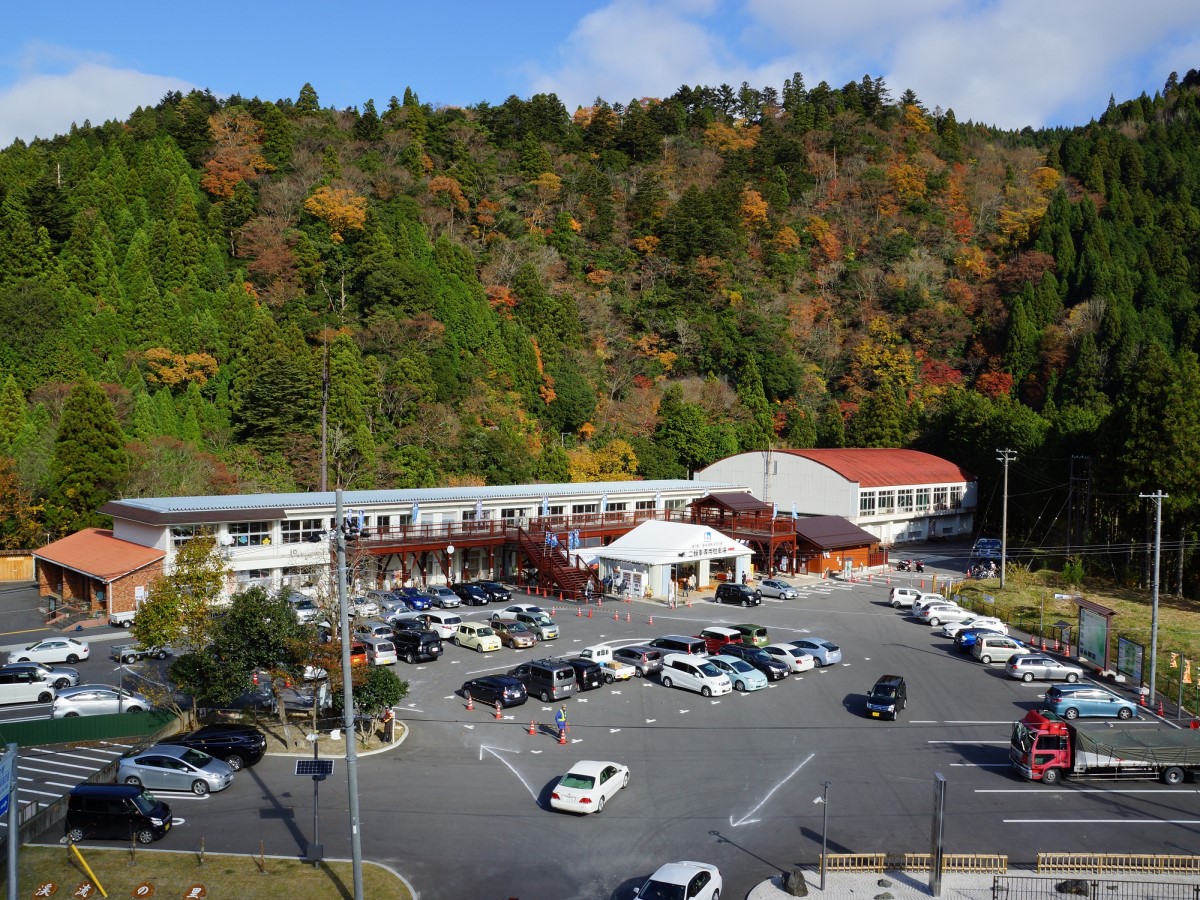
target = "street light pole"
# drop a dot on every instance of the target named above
(348, 705)
(824, 801)
(1006, 456)
(1157, 497)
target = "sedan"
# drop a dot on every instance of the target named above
(414, 599)
(502, 689)
(472, 594)
(823, 652)
(498, 592)
(509, 613)
(678, 880)
(174, 767)
(362, 606)
(772, 587)
(514, 634)
(442, 597)
(947, 612)
(1073, 701)
(588, 785)
(991, 623)
(743, 675)
(773, 668)
(1044, 668)
(96, 700)
(793, 657)
(52, 650)
(237, 745)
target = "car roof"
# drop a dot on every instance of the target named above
(720, 629)
(726, 658)
(499, 679)
(589, 767)
(84, 790)
(163, 749)
(678, 872)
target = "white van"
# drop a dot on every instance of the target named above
(694, 673)
(990, 648)
(443, 624)
(25, 684)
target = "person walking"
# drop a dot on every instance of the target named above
(560, 720)
(691, 582)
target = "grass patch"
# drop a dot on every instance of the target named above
(222, 875)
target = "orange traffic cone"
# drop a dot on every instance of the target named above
(470, 703)
(578, 613)
(532, 727)
(1043, 645)
(498, 714)
(553, 610)
(1160, 708)
(562, 735)
(589, 613)
(616, 616)
(652, 620)
(1141, 699)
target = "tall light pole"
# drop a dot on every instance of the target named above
(348, 703)
(1157, 497)
(824, 801)
(1006, 456)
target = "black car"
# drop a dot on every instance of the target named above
(496, 591)
(738, 593)
(403, 622)
(503, 689)
(588, 675)
(471, 594)
(238, 745)
(760, 659)
(419, 645)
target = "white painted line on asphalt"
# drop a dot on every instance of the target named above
(60, 784)
(1045, 790)
(746, 820)
(115, 744)
(1101, 821)
(496, 754)
(1002, 765)
(67, 765)
(923, 721)
(180, 795)
(974, 722)
(27, 768)
(1005, 743)
(43, 793)
(651, 721)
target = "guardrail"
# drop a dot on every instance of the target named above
(1154, 863)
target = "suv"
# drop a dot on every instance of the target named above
(59, 676)
(120, 811)
(753, 635)
(548, 679)
(738, 593)
(238, 745)
(887, 697)
(417, 646)
(694, 674)
(903, 597)
(678, 643)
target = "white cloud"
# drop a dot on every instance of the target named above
(40, 104)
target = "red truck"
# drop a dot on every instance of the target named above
(1045, 748)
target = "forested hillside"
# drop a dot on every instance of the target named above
(519, 292)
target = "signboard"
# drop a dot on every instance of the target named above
(1130, 658)
(1092, 636)
(7, 761)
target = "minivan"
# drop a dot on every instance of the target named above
(694, 674)
(997, 648)
(717, 636)
(678, 643)
(547, 679)
(443, 624)
(119, 811)
(887, 698)
(738, 593)
(380, 651)
(25, 683)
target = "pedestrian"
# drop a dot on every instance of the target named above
(691, 582)
(560, 720)
(745, 578)
(587, 591)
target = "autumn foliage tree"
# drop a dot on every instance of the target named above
(237, 152)
(340, 208)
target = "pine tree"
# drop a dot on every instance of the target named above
(831, 426)
(12, 414)
(307, 102)
(367, 126)
(758, 432)
(88, 464)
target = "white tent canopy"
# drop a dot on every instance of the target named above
(645, 561)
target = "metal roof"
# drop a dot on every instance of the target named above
(885, 467)
(95, 552)
(833, 532)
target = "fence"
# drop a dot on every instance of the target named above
(85, 728)
(16, 565)
(1010, 887)
(974, 863)
(1153, 863)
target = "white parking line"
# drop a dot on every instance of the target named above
(1045, 790)
(53, 753)
(42, 793)
(65, 765)
(1005, 743)
(25, 768)
(1002, 765)
(1101, 821)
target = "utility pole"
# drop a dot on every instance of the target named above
(348, 702)
(1157, 497)
(1006, 456)
(325, 419)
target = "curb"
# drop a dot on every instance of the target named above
(359, 755)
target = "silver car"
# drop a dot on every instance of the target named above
(1043, 668)
(174, 767)
(96, 700)
(442, 597)
(59, 676)
(52, 650)
(773, 587)
(823, 652)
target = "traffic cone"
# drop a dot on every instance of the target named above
(1055, 644)
(578, 613)
(498, 713)
(652, 620)
(628, 617)
(616, 616)
(532, 727)
(470, 703)
(1043, 645)
(1160, 708)
(1141, 699)
(589, 613)
(562, 736)
(553, 610)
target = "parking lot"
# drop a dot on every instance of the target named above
(461, 808)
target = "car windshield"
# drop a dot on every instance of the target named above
(145, 802)
(195, 757)
(710, 670)
(484, 632)
(1022, 737)
(541, 619)
(886, 692)
(574, 780)
(740, 665)
(657, 890)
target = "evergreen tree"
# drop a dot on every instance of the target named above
(12, 414)
(307, 102)
(88, 463)
(880, 419)
(831, 426)
(368, 127)
(951, 149)
(758, 432)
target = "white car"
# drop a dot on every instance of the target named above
(937, 613)
(52, 650)
(686, 879)
(991, 623)
(823, 652)
(903, 597)
(509, 613)
(925, 600)
(773, 587)
(362, 606)
(793, 657)
(588, 785)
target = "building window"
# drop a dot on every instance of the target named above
(254, 576)
(582, 508)
(250, 534)
(383, 524)
(298, 531)
(513, 513)
(922, 499)
(618, 507)
(887, 502)
(643, 504)
(939, 498)
(674, 504)
(904, 500)
(556, 510)
(866, 503)
(181, 534)
(469, 515)
(956, 495)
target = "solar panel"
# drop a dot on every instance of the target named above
(314, 766)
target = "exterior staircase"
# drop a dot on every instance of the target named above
(555, 571)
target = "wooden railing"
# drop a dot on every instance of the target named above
(1156, 863)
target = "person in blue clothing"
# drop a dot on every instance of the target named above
(560, 720)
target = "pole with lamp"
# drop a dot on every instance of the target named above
(450, 563)
(824, 801)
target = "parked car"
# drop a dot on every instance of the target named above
(1043, 668)
(588, 674)
(925, 600)
(1075, 700)
(472, 594)
(588, 786)
(505, 689)
(362, 606)
(938, 613)
(795, 658)
(306, 610)
(374, 628)
(417, 646)
(444, 624)
(498, 592)
(417, 601)
(823, 652)
(380, 651)
(964, 641)
(131, 653)
(96, 700)
(175, 767)
(476, 636)
(694, 673)
(716, 637)
(239, 745)
(950, 629)
(686, 879)
(58, 676)
(753, 635)
(887, 698)
(987, 548)
(52, 650)
(772, 587)
(509, 613)
(903, 597)
(774, 669)
(514, 634)
(550, 679)
(741, 674)
(119, 811)
(991, 648)
(645, 660)
(540, 625)
(738, 593)
(410, 621)
(442, 596)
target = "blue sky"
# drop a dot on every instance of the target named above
(1006, 62)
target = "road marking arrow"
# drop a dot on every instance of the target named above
(746, 820)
